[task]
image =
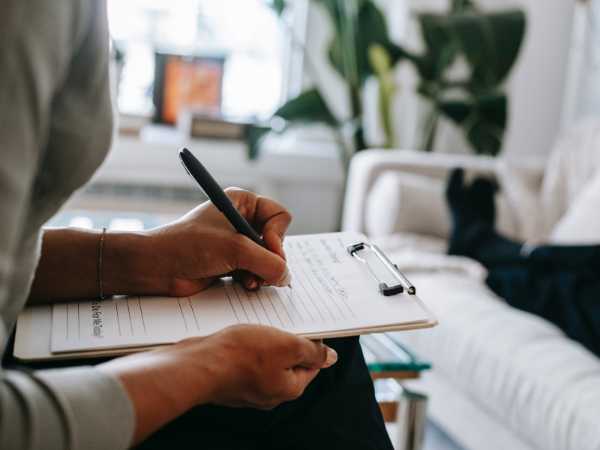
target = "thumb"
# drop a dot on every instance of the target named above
(315, 355)
(261, 262)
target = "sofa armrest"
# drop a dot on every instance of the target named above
(367, 166)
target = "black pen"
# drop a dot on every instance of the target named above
(216, 195)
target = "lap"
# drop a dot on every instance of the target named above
(337, 410)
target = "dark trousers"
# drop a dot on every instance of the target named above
(558, 283)
(338, 410)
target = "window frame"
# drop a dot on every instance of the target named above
(293, 70)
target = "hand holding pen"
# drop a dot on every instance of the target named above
(223, 203)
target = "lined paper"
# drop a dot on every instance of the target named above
(331, 292)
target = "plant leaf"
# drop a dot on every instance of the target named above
(491, 43)
(456, 110)
(333, 8)
(441, 48)
(462, 5)
(482, 119)
(371, 29)
(381, 62)
(485, 139)
(494, 108)
(278, 6)
(254, 135)
(308, 107)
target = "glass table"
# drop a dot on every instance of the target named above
(390, 363)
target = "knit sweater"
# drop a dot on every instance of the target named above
(55, 130)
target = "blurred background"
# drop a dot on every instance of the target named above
(203, 74)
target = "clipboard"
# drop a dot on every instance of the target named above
(399, 284)
(373, 293)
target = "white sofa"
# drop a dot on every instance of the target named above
(501, 378)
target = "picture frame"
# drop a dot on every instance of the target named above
(183, 82)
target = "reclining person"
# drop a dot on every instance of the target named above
(558, 283)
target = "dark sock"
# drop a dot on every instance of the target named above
(472, 212)
(482, 194)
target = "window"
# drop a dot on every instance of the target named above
(247, 33)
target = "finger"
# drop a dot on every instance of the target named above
(314, 355)
(273, 220)
(274, 242)
(182, 287)
(259, 261)
(246, 279)
(268, 217)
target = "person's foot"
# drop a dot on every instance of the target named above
(473, 203)
(472, 210)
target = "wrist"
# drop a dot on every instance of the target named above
(129, 265)
(157, 387)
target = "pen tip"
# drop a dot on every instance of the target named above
(286, 280)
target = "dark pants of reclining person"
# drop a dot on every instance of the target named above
(558, 283)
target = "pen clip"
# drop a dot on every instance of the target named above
(386, 289)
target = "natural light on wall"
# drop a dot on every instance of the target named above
(247, 33)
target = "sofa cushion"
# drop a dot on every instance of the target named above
(574, 161)
(520, 185)
(426, 254)
(517, 366)
(404, 202)
(401, 202)
(581, 222)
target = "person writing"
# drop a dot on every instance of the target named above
(244, 387)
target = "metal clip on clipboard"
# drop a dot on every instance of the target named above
(390, 283)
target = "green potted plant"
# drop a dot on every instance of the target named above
(488, 42)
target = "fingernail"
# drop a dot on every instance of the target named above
(252, 284)
(286, 280)
(332, 357)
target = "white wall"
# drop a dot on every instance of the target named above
(538, 82)
(536, 86)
